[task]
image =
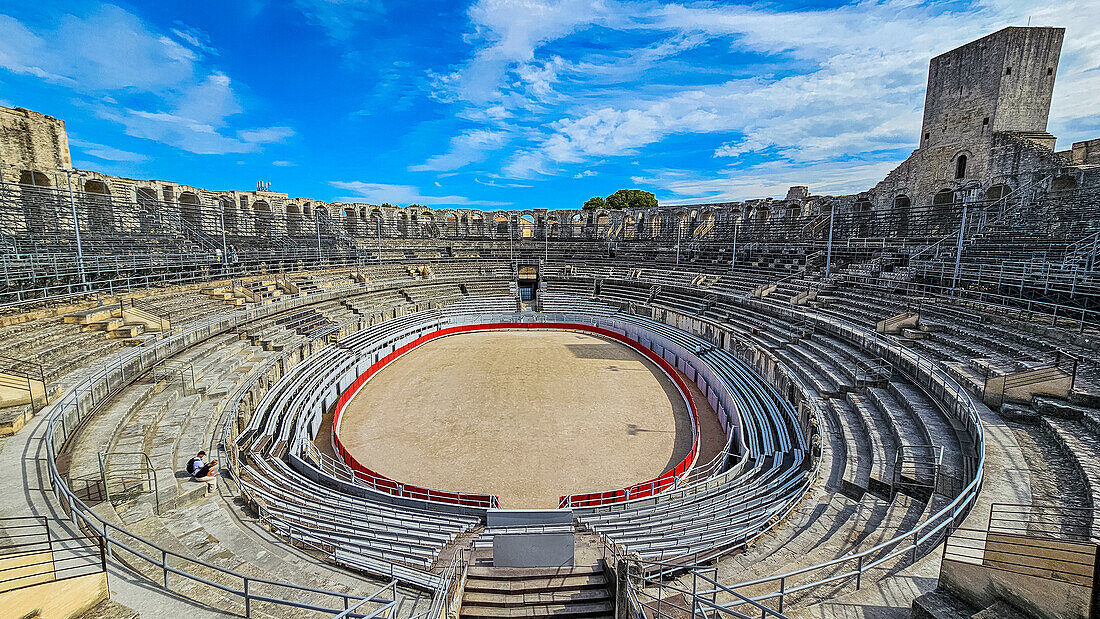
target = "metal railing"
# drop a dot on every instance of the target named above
(32, 553)
(84, 399)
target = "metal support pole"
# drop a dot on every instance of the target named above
(959, 249)
(679, 235)
(317, 228)
(221, 224)
(733, 260)
(829, 248)
(76, 230)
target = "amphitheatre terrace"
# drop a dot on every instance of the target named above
(883, 404)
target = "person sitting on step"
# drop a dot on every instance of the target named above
(209, 474)
(196, 463)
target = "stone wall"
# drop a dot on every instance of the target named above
(31, 141)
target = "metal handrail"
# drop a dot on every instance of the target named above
(68, 413)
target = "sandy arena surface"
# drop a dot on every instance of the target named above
(525, 415)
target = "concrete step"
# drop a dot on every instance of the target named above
(540, 598)
(603, 609)
(535, 584)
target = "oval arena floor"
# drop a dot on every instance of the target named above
(513, 413)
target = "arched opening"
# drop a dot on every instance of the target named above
(190, 211)
(147, 202)
(229, 215)
(628, 227)
(705, 229)
(526, 227)
(681, 225)
(900, 215)
(654, 225)
(479, 223)
(98, 207)
(38, 200)
(998, 191)
(427, 224)
(576, 225)
(293, 219)
(376, 222)
(603, 225)
(263, 220)
(943, 204)
(402, 223)
(350, 220)
(500, 222)
(960, 167)
(1063, 183)
(863, 217)
(450, 223)
(553, 226)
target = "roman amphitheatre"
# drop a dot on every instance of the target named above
(880, 404)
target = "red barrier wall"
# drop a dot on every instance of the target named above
(385, 484)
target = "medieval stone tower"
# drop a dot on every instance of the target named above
(985, 111)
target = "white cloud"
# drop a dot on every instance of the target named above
(820, 86)
(584, 173)
(194, 37)
(377, 193)
(197, 121)
(108, 153)
(465, 148)
(339, 18)
(109, 49)
(151, 83)
(279, 163)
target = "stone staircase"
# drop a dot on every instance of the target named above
(493, 592)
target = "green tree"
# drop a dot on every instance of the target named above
(595, 203)
(387, 205)
(631, 198)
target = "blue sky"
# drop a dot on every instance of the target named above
(509, 103)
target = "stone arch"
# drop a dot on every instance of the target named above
(348, 215)
(478, 221)
(705, 227)
(681, 225)
(98, 207)
(900, 214)
(655, 225)
(402, 222)
(1064, 182)
(526, 224)
(190, 210)
(998, 191)
(629, 228)
(576, 224)
(147, 203)
(943, 203)
(603, 225)
(864, 218)
(39, 201)
(262, 217)
(293, 219)
(229, 215)
(500, 224)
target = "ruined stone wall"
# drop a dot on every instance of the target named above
(31, 141)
